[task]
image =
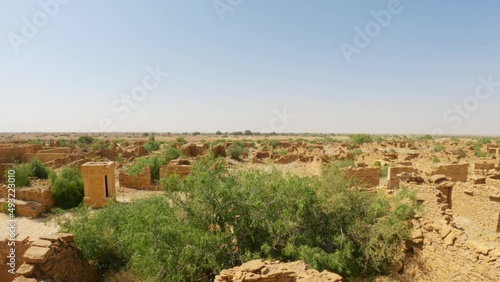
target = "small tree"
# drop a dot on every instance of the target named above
(67, 188)
(236, 150)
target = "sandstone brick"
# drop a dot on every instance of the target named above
(36, 254)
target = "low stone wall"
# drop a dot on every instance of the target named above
(44, 157)
(478, 204)
(55, 257)
(456, 172)
(268, 271)
(392, 175)
(141, 181)
(30, 201)
(180, 167)
(366, 175)
(3, 169)
(62, 150)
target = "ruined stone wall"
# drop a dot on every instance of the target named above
(55, 257)
(141, 181)
(179, 167)
(44, 157)
(442, 250)
(62, 150)
(12, 152)
(392, 175)
(30, 201)
(367, 175)
(3, 169)
(21, 245)
(456, 172)
(478, 204)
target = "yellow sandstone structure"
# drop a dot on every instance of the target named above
(99, 183)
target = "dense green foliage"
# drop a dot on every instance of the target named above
(39, 170)
(22, 175)
(152, 144)
(67, 188)
(235, 150)
(222, 219)
(85, 139)
(155, 162)
(358, 139)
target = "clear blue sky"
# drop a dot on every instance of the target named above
(235, 73)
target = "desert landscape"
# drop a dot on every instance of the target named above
(440, 220)
(249, 141)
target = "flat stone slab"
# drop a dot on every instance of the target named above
(36, 254)
(42, 243)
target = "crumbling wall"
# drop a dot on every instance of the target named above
(180, 167)
(22, 243)
(456, 172)
(478, 203)
(259, 270)
(392, 175)
(55, 257)
(30, 201)
(140, 181)
(3, 169)
(366, 175)
(44, 157)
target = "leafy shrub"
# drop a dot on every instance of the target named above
(180, 140)
(274, 143)
(356, 152)
(85, 139)
(483, 141)
(358, 139)
(152, 144)
(229, 218)
(439, 147)
(460, 153)
(427, 137)
(22, 176)
(39, 170)
(435, 160)
(155, 162)
(282, 152)
(67, 188)
(170, 153)
(236, 150)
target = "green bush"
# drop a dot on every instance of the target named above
(85, 139)
(439, 147)
(170, 153)
(22, 176)
(152, 144)
(358, 139)
(67, 188)
(229, 218)
(155, 162)
(181, 140)
(39, 170)
(235, 150)
(461, 153)
(435, 160)
(427, 137)
(282, 152)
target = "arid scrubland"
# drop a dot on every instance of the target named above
(251, 208)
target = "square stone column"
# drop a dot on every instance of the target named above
(99, 183)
